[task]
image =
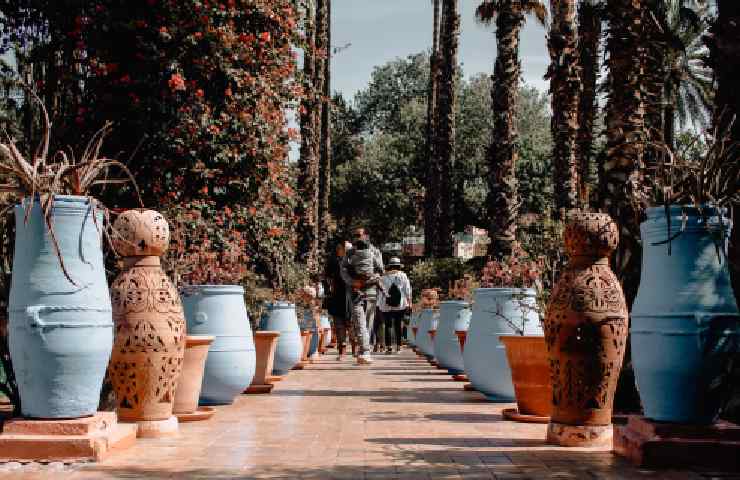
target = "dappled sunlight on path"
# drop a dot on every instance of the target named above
(399, 418)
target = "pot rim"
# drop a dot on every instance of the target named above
(505, 290)
(195, 340)
(189, 290)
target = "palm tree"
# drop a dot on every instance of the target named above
(724, 45)
(444, 136)
(431, 195)
(688, 85)
(590, 14)
(503, 153)
(565, 84)
(621, 181)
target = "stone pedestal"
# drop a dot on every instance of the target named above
(663, 445)
(157, 428)
(265, 343)
(81, 439)
(595, 436)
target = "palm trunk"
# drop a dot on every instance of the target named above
(444, 144)
(565, 84)
(308, 176)
(589, 40)
(325, 160)
(503, 153)
(431, 196)
(625, 128)
(725, 48)
(654, 70)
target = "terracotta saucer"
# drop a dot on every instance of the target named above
(203, 413)
(514, 415)
(460, 378)
(468, 387)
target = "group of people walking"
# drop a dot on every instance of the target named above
(364, 295)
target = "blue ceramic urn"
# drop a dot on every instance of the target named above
(453, 316)
(219, 311)
(281, 317)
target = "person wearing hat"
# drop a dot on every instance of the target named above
(394, 300)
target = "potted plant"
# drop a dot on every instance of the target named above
(210, 266)
(685, 321)
(60, 318)
(505, 304)
(454, 316)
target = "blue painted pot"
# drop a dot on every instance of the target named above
(219, 311)
(685, 320)
(281, 317)
(427, 321)
(485, 356)
(453, 315)
(60, 334)
(413, 322)
(326, 325)
(307, 323)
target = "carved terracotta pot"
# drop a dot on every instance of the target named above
(586, 325)
(149, 340)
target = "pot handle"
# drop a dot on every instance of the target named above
(33, 313)
(200, 317)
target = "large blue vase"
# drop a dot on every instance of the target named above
(497, 311)
(413, 322)
(453, 316)
(685, 321)
(219, 311)
(281, 317)
(427, 321)
(60, 333)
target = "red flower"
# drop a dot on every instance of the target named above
(265, 36)
(199, 93)
(176, 82)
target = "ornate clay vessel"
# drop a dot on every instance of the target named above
(586, 332)
(149, 341)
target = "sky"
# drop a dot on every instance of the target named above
(381, 30)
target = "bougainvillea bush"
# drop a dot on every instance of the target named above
(197, 91)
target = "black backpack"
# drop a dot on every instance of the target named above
(394, 296)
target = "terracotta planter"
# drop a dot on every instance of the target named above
(149, 341)
(265, 343)
(191, 378)
(306, 336)
(586, 332)
(461, 337)
(530, 372)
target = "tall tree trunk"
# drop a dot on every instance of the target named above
(622, 182)
(503, 153)
(432, 203)
(308, 163)
(565, 85)
(589, 41)
(444, 144)
(654, 72)
(725, 48)
(325, 160)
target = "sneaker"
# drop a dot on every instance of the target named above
(364, 359)
(389, 351)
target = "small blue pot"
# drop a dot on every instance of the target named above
(685, 321)
(485, 356)
(428, 319)
(326, 324)
(413, 322)
(219, 311)
(453, 315)
(60, 334)
(281, 317)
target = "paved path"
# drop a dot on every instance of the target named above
(397, 419)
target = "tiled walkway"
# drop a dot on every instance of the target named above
(399, 418)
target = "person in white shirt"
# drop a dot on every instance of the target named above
(394, 300)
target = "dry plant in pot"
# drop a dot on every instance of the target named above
(517, 296)
(58, 276)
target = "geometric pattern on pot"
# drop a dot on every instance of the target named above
(149, 341)
(586, 325)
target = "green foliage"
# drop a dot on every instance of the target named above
(437, 273)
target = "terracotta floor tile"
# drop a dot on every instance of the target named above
(399, 419)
